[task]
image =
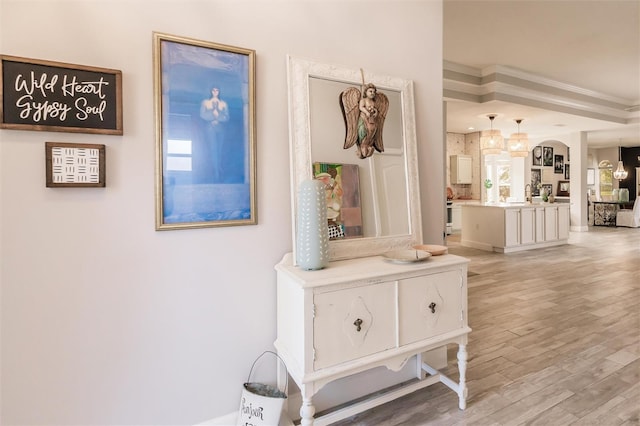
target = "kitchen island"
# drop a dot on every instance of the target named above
(508, 227)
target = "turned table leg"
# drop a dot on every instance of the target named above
(462, 368)
(307, 410)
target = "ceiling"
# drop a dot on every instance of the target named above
(561, 66)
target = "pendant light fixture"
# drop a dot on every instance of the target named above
(620, 172)
(518, 145)
(491, 141)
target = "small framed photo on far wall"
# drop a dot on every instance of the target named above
(537, 156)
(563, 188)
(558, 164)
(547, 156)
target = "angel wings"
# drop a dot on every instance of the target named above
(364, 115)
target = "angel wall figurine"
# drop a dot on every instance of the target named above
(364, 113)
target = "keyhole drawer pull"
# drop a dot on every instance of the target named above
(432, 306)
(358, 324)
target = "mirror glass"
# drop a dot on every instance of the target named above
(377, 206)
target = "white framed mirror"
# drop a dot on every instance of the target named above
(388, 192)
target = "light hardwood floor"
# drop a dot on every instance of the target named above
(555, 340)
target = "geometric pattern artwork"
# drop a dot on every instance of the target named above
(75, 165)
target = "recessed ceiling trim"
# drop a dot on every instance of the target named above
(544, 81)
(508, 89)
(461, 77)
(518, 78)
(555, 91)
(536, 103)
(508, 84)
(558, 108)
(470, 89)
(449, 94)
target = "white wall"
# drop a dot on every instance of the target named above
(103, 319)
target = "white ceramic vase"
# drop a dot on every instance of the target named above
(312, 239)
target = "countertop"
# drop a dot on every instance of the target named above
(516, 205)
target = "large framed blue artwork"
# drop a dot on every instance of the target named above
(205, 133)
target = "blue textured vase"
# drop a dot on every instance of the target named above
(312, 239)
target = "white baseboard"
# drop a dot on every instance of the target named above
(231, 419)
(226, 420)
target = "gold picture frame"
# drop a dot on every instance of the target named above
(205, 133)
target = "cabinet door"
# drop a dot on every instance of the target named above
(352, 323)
(511, 227)
(550, 223)
(464, 169)
(460, 169)
(527, 226)
(456, 217)
(563, 223)
(429, 305)
(539, 225)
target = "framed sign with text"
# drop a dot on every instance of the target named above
(54, 96)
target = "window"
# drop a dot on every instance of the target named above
(179, 155)
(498, 171)
(605, 169)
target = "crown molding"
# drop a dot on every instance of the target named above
(499, 82)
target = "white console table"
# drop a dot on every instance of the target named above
(363, 313)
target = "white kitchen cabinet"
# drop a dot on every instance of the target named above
(460, 167)
(363, 313)
(551, 223)
(527, 226)
(456, 217)
(519, 226)
(512, 227)
(539, 224)
(563, 222)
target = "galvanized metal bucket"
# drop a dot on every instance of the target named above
(261, 404)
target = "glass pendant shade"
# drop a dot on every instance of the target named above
(491, 141)
(518, 145)
(620, 172)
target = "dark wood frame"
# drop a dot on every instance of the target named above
(558, 164)
(536, 160)
(536, 179)
(74, 108)
(547, 156)
(563, 192)
(51, 167)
